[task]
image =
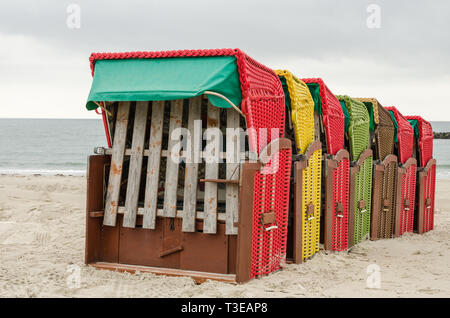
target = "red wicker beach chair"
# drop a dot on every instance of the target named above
(406, 177)
(224, 220)
(426, 174)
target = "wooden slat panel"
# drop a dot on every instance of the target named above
(134, 175)
(233, 156)
(171, 180)
(154, 162)
(115, 174)
(160, 212)
(211, 171)
(191, 172)
(223, 155)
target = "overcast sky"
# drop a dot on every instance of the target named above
(44, 66)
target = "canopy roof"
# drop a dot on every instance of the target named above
(166, 79)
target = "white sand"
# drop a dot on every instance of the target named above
(42, 246)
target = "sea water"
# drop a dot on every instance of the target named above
(61, 146)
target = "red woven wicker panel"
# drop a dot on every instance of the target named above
(340, 206)
(425, 139)
(332, 117)
(271, 195)
(405, 135)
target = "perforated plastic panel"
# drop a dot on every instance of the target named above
(427, 199)
(302, 115)
(363, 193)
(407, 200)
(269, 247)
(384, 128)
(340, 203)
(311, 197)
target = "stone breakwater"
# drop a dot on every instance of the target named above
(441, 135)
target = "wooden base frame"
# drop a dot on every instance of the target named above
(167, 249)
(204, 256)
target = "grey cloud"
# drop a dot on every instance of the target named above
(411, 34)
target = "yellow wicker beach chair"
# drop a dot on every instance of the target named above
(305, 222)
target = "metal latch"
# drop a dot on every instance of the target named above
(269, 218)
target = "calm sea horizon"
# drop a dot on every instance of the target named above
(61, 146)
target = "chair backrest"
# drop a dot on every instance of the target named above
(330, 111)
(423, 132)
(358, 125)
(301, 107)
(405, 135)
(381, 127)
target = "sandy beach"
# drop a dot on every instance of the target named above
(42, 223)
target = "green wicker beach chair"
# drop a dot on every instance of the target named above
(357, 137)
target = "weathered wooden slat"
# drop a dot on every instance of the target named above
(154, 162)
(193, 147)
(115, 173)
(134, 174)
(160, 212)
(232, 162)
(171, 180)
(183, 154)
(211, 169)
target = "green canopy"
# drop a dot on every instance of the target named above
(315, 93)
(395, 125)
(166, 79)
(346, 114)
(415, 125)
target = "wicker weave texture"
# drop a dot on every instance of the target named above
(386, 221)
(339, 231)
(363, 188)
(408, 182)
(311, 196)
(425, 139)
(332, 117)
(405, 136)
(384, 129)
(429, 193)
(302, 106)
(271, 195)
(358, 129)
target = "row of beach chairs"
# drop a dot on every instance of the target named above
(290, 168)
